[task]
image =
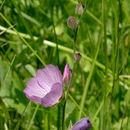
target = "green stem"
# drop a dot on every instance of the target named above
(115, 71)
(58, 117)
(55, 36)
(23, 114)
(34, 114)
(73, 68)
(88, 81)
(57, 62)
(101, 105)
(104, 116)
(67, 91)
(76, 104)
(63, 115)
(60, 47)
(125, 108)
(2, 4)
(29, 46)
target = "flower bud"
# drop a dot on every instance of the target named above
(77, 56)
(82, 124)
(72, 23)
(79, 9)
(66, 75)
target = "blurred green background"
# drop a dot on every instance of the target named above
(40, 37)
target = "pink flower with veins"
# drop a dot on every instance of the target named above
(47, 87)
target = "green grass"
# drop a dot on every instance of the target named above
(35, 33)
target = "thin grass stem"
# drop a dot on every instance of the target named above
(33, 116)
(34, 52)
(2, 4)
(63, 48)
(115, 71)
(88, 80)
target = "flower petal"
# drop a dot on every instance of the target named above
(54, 73)
(34, 91)
(49, 76)
(53, 96)
(44, 79)
(82, 124)
(66, 75)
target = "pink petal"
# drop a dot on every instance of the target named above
(53, 96)
(34, 98)
(66, 75)
(44, 79)
(49, 76)
(54, 73)
(34, 91)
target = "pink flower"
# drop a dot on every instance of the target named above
(47, 87)
(66, 75)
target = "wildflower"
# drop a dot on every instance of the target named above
(79, 9)
(82, 124)
(46, 88)
(77, 56)
(66, 75)
(72, 23)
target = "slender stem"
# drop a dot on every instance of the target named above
(58, 117)
(63, 115)
(104, 117)
(60, 47)
(28, 45)
(105, 36)
(67, 91)
(88, 80)
(125, 108)
(2, 4)
(34, 114)
(75, 40)
(76, 104)
(74, 49)
(73, 68)
(23, 114)
(115, 73)
(55, 37)
(57, 62)
(128, 121)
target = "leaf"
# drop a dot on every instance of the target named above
(30, 69)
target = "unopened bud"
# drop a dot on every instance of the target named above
(66, 75)
(72, 23)
(77, 56)
(79, 9)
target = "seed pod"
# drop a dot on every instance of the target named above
(77, 56)
(72, 23)
(79, 9)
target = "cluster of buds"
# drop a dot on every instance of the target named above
(72, 23)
